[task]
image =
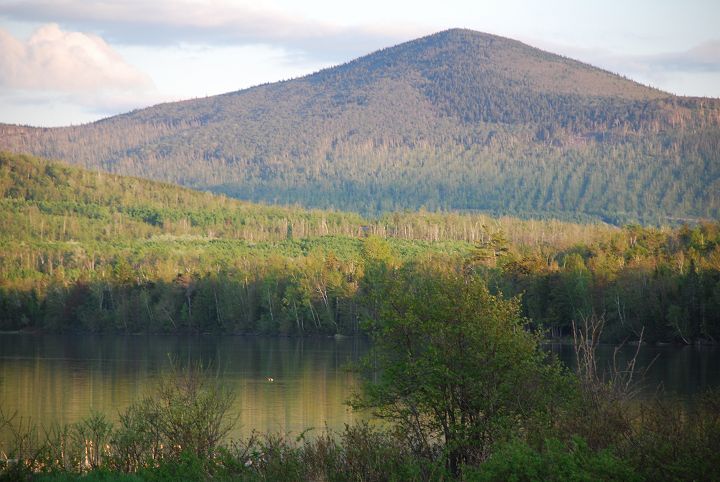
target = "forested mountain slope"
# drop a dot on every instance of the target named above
(459, 120)
(89, 251)
(51, 202)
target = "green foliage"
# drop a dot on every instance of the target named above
(78, 254)
(518, 461)
(672, 442)
(94, 476)
(358, 453)
(453, 367)
(186, 467)
(187, 415)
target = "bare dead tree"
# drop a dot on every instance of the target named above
(606, 392)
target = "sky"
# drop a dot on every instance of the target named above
(66, 62)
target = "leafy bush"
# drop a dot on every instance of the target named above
(516, 461)
(674, 442)
(454, 367)
(189, 412)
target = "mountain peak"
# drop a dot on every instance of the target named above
(469, 57)
(463, 34)
(455, 120)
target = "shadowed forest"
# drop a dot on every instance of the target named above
(88, 251)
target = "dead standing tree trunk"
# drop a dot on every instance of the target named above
(605, 391)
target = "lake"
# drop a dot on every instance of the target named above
(54, 378)
(61, 379)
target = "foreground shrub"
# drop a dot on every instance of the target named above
(358, 453)
(455, 368)
(189, 411)
(556, 461)
(674, 442)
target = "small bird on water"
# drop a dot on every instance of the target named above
(270, 379)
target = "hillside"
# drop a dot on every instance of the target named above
(458, 120)
(88, 251)
(47, 201)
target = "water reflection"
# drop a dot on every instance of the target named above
(673, 372)
(62, 378)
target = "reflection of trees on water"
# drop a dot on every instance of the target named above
(60, 378)
(679, 371)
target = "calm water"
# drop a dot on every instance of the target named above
(672, 372)
(62, 378)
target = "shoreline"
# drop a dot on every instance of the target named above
(337, 336)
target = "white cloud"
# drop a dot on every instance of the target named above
(52, 59)
(67, 71)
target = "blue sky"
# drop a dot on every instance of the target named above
(72, 61)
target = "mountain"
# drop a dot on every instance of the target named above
(458, 120)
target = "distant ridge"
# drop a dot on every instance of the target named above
(458, 120)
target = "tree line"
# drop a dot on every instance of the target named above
(85, 251)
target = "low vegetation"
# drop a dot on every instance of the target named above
(462, 386)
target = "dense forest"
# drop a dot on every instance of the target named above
(458, 120)
(89, 251)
